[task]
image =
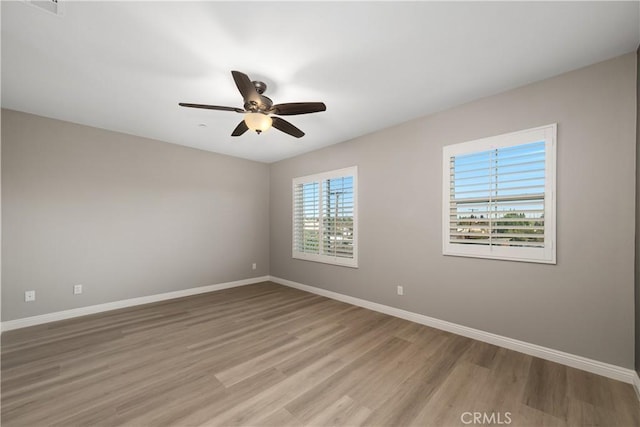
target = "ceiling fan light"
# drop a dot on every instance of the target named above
(257, 121)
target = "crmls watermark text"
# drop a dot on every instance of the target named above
(486, 418)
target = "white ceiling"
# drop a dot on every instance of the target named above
(124, 66)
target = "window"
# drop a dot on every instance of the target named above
(325, 217)
(498, 197)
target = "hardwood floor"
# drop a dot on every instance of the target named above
(268, 355)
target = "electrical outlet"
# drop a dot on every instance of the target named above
(254, 266)
(29, 296)
(77, 289)
(400, 290)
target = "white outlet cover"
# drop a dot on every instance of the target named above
(29, 296)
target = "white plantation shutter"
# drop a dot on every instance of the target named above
(306, 235)
(337, 220)
(499, 197)
(324, 217)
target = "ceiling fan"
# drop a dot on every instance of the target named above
(259, 112)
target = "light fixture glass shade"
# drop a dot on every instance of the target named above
(257, 121)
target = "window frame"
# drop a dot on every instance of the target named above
(547, 254)
(319, 178)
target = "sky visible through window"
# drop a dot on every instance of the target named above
(337, 200)
(499, 193)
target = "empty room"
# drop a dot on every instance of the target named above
(320, 213)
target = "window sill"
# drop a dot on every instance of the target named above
(342, 262)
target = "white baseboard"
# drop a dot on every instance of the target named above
(636, 385)
(92, 309)
(611, 371)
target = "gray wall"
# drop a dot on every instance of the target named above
(637, 271)
(583, 305)
(124, 216)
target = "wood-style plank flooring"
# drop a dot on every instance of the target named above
(268, 355)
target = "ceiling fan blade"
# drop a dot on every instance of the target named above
(293, 108)
(211, 107)
(240, 129)
(286, 127)
(246, 88)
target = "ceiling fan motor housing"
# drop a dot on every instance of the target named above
(265, 103)
(263, 106)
